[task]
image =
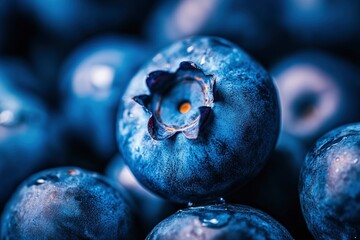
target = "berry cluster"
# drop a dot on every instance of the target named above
(180, 119)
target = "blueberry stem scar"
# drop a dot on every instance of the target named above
(169, 112)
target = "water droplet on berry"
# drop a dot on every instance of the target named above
(190, 49)
(40, 181)
(215, 219)
(355, 160)
(47, 178)
(202, 61)
(337, 159)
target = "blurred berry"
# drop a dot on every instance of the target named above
(317, 93)
(250, 24)
(23, 126)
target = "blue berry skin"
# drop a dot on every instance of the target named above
(151, 208)
(318, 92)
(23, 124)
(308, 22)
(219, 144)
(67, 203)
(93, 81)
(221, 221)
(330, 185)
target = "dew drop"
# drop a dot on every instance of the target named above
(49, 178)
(40, 181)
(215, 219)
(355, 160)
(202, 61)
(190, 49)
(337, 159)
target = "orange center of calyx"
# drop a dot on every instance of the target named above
(184, 107)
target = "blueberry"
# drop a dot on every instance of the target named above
(23, 124)
(73, 20)
(322, 22)
(93, 81)
(152, 209)
(67, 203)
(330, 185)
(318, 92)
(199, 120)
(244, 22)
(221, 221)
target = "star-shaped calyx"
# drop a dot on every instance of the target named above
(178, 102)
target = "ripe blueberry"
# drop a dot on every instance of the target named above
(67, 203)
(199, 120)
(330, 185)
(23, 125)
(318, 92)
(221, 221)
(93, 81)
